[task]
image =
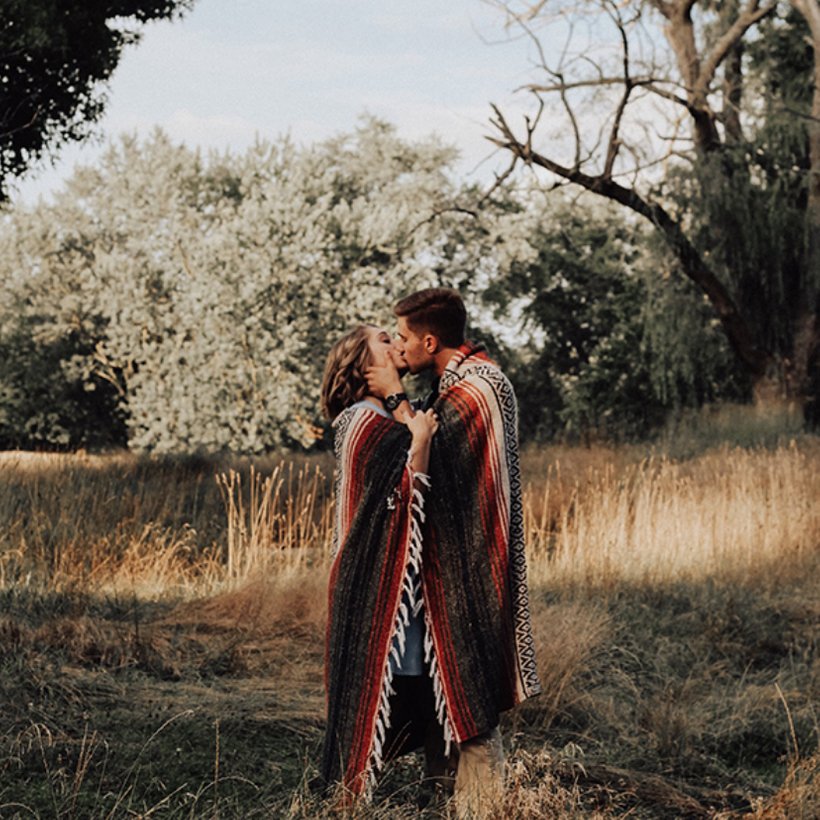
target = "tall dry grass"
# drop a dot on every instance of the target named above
(730, 513)
(156, 528)
(592, 517)
(241, 550)
(276, 522)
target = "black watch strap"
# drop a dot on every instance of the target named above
(392, 401)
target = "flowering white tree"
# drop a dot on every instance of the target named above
(207, 291)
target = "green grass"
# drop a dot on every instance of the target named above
(135, 727)
(683, 695)
(180, 693)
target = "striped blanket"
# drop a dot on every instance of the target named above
(375, 543)
(470, 554)
(474, 568)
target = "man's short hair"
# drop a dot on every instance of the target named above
(439, 311)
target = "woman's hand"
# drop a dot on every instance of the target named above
(423, 426)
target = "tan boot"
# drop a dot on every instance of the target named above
(480, 776)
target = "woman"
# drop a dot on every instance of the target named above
(375, 624)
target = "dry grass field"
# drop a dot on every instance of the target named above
(162, 621)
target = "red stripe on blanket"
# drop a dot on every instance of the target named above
(458, 706)
(373, 542)
(384, 619)
(474, 414)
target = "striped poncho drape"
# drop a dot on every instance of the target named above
(475, 592)
(470, 555)
(377, 539)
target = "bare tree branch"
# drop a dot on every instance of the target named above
(666, 95)
(548, 89)
(750, 15)
(650, 83)
(692, 263)
(614, 140)
(500, 179)
(434, 215)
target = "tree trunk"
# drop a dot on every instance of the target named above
(810, 9)
(814, 156)
(733, 94)
(807, 343)
(680, 34)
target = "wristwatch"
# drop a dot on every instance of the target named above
(392, 401)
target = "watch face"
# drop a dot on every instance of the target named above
(392, 402)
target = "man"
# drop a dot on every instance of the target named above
(478, 641)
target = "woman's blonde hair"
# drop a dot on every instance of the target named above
(344, 382)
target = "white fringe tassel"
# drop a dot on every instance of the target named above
(411, 588)
(429, 647)
(438, 689)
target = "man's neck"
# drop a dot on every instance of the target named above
(441, 359)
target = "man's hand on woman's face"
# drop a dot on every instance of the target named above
(383, 379)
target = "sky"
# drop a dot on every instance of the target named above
(234, 70)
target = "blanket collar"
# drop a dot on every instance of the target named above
(467, 355)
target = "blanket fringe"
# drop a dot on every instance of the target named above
(411, 588)
(438, 688)
(429, 647)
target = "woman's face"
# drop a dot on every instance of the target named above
(380, 345)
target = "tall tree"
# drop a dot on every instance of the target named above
(810, 9)
(55, 58)
(613, 347)
(679, 112)
(206, 293)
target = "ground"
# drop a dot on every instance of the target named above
(162, 656)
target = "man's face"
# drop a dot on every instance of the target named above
(415, 350)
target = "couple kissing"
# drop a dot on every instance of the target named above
(428, 637)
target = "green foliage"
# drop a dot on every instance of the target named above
(46, 403)
(186, 304)
(747, 202)
(54, 63)
(618, 341)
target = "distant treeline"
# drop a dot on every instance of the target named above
(173, 303)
